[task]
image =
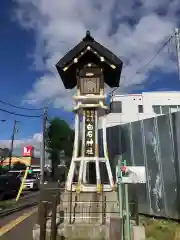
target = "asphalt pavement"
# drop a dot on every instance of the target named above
(18, 225)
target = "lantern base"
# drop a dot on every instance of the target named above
(89, 188)
(77, 180)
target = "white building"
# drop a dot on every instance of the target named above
(134, 107)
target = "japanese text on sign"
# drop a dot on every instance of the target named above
(90, 133)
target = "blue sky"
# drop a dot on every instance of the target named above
(17, 76)
(35, 34)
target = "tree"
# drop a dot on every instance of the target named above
(3, 169)
(60, 137)
(19, 166)
(4, 153)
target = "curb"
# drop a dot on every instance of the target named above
(7, 212)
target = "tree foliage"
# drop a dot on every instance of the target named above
(3, 169)
(4, 153)
(60, 137)
(19, 166)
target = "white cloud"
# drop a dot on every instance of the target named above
(132, 29)
(34, 141)
(37, 137)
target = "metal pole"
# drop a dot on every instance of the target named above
(128, 230)
(12, 143)
(177, 37)
(43, 214)
(120, 192)
(42, 160)
(53, 218)
(2, 158)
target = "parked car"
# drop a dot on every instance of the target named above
(17, 173)
(9, 185)
(32, 182)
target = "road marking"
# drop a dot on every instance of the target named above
(6, 228)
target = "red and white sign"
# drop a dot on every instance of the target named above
(27, 151)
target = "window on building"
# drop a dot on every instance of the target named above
(116, 107)
(162, 109)
(140, 109)
(174, 108)
(165, 109)
(157, 109)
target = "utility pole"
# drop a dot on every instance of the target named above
(177, 37)
(42, 160)
(12, 142)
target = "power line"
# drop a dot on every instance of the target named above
(23, 108)
(21, 115)
(140, 70)
(157, 53)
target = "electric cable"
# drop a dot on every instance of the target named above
(23, 108)
(157, 53)
(21, 115)
(140, 70)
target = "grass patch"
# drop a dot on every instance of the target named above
(7, 204)
(160, 229)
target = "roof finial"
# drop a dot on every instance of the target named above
(88, 36)
(88, 33)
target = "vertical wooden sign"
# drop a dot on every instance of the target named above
(90, 132)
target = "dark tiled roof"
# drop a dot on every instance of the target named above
(111, 76)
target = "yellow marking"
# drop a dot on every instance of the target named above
(113, 187)
(78, 188)
(22, 184)
(106, 152)
(113, 66)
(99, 188)
(65, 68)
(6, 228)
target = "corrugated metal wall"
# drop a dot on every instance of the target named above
(155, 144)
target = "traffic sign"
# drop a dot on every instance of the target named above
(134, 174)
(123, 169)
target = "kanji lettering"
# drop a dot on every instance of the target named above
(89, 151)
(90, 142)
(89, 127)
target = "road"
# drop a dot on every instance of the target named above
(18, 225)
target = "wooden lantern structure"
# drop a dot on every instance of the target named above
(89, 66)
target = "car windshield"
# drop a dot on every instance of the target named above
(31, 176)
(16, 174)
